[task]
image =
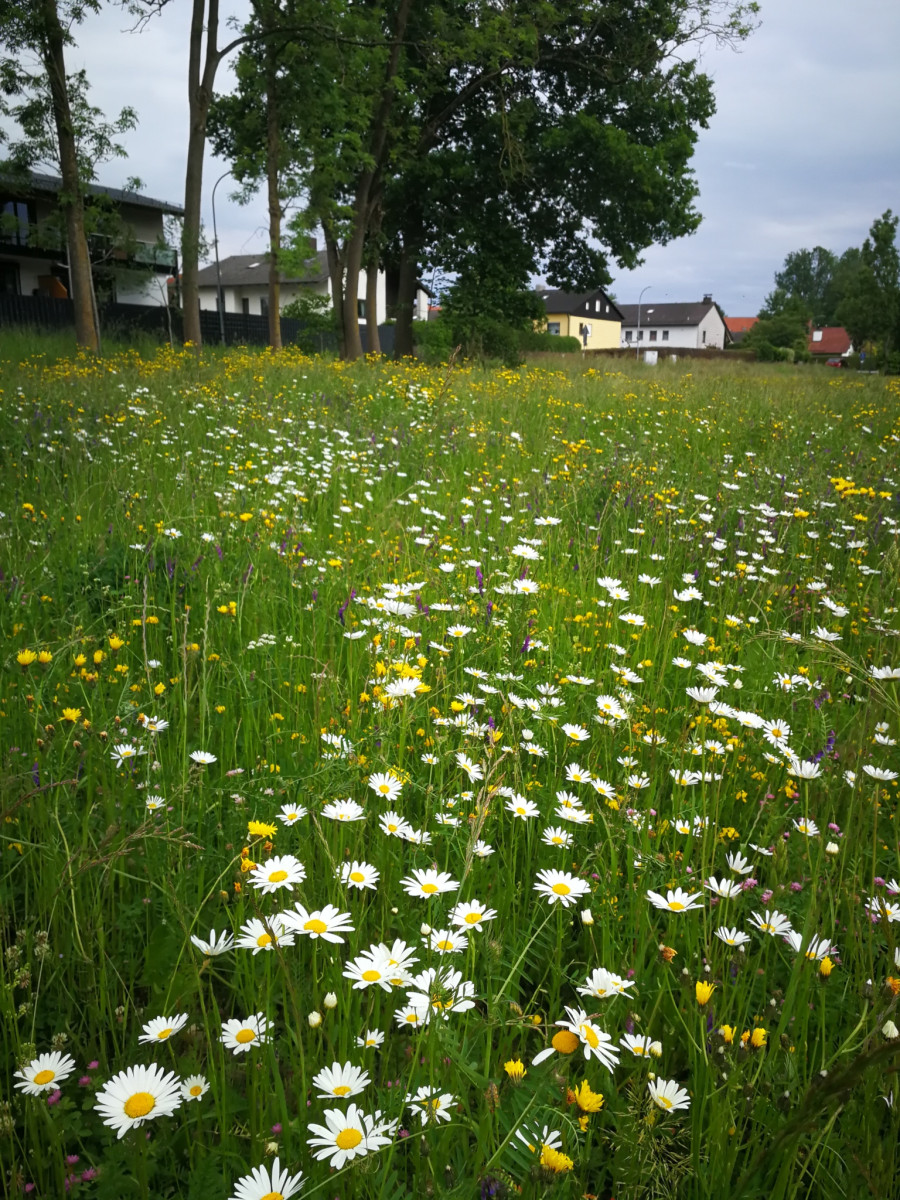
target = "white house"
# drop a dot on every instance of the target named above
(692, 326)
(245, 286)
(132, 268)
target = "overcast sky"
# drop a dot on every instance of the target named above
(803, 150)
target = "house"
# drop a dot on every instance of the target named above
(590, 316)
(830, 341)
(739, 326)
(131, 260)
(244, 280)
(691, 326)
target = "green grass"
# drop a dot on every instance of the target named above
(215, 544)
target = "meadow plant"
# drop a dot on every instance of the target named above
(429, 783)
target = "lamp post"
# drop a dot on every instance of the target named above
(637, 352)
(220, 299)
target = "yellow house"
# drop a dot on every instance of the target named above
(590, 316)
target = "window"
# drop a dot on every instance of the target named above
(9, 279)
(596, 306)
(245, 306)
(361, 309)
(817, 335)
(263, 306)
(14, 222)
(553, 327)
(640, 335)
(627, 335)
(665, 335)
(703, 337)
(652, 335)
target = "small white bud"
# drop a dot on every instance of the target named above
(330, 1000)
(890, 1030)
(587, 917)
(656, 1049)
(832, 848)
(315, 1020)
(425, 930)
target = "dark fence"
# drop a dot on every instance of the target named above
(123, 320)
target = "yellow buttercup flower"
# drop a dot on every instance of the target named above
(588, 1101)
(515, 1069)
(71, 714)
(261, 829)
(703, 991)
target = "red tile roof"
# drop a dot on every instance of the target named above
(834, 340)
(740, 324)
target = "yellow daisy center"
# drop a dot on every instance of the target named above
(316, 926)
(590, 1037)
(676, 905)
(264, 939)
(473, 918)
(139, 1105)
(196, 1090)
(43, 1077)
(272, 1196)
(278, 877)
(565, 1042)
(561, 889)
(244, 1036)
(371, 975)
(357, 877)
(556, 839)
(341, 1090)
(392, 828)
(412, 1018)
(384, 788)
(445, 944)
(430, 888)
(292, 816)
(348, 1139)
(164, 1033)
(664, 1101)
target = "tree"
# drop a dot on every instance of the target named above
(805, 279)
(42, 29)
(870, 308)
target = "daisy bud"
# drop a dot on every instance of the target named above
(587, 917)
(315, 1019)
(425, 930)
(890, 1030)
(656, 1049)
(832, 848)
(330, 1000)
(271, 1147)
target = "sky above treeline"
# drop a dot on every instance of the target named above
(804, 148)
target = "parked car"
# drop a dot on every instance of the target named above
(835, 362)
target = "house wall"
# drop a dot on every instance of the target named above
(134, 287)
(254, 293)
(604, 333)
(688, 337)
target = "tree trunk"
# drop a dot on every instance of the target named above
(201, 76)
(352, 267)
(273, 156)
(373, 249)
(406, 300)
(80, 284)
(336, 276)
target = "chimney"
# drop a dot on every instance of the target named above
(707, 299)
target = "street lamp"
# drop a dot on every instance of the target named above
(637, 352)
(220, 299)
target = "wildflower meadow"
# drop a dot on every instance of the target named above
(434, 781)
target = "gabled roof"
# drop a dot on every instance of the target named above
(667, 314)
(740, 324)
(37, 184)
(576, 303)
(834, 340)
(253, 269)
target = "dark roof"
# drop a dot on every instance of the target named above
(253, 269)
(834, 340)
(667, 314)
(37, 184)
(556, 301)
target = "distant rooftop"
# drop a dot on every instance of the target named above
(48, 185)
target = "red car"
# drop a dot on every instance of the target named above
(835, 362)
